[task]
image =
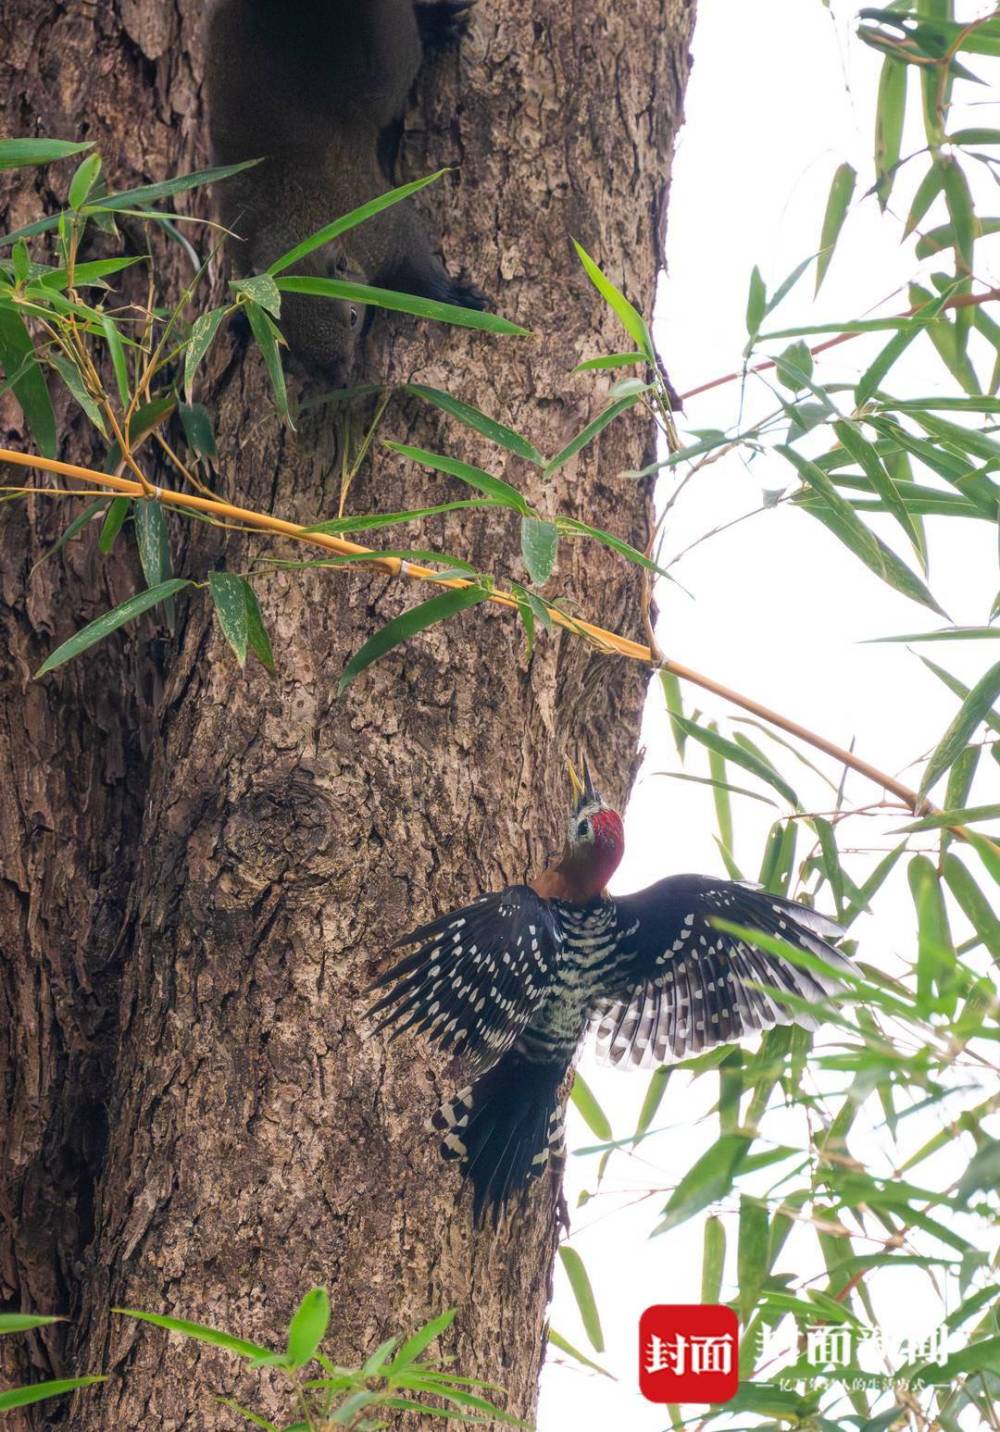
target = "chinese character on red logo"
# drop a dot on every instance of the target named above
(689, 1353)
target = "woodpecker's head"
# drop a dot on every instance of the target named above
(595, 837)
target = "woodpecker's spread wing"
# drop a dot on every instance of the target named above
(476, 975)
(681, 985)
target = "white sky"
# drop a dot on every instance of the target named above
(780, 94)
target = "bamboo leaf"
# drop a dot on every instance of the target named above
(332, 231)
(494, 488)
(557, 1340)
(584, 1295)
(975, 709)
(23, 1322)
(630, 318)
(83, 180)
(713, 1259)
(752, 1265)
(889, 115)
(706, 1182)
(420, 1340)
(756, 302)
(17, 153)
(39, 1391)
(230, 600)
(408, 624)
(586, 1102)
(587, 434)
(266, 336)
(312, 1317)
(498, 433)
(930, 186)
(103, 626)
(837, 205)
(655, 1090)
(539, 544)
(609, 360)
(740, 757)
(199, 1332)
(203, 331)
(867, 458)
(257, 637)
(112, 524)
(432, 308)
(21, 368)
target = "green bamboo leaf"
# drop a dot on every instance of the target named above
(78, 523)
(870, 887)
(720, 792)
(867, 458)
(311, 1318)
(20, 366)
(197, 424)
(958, 688)
(655, 1090)
(609, 360)
(247, 1415)
(154, 548)
(862, 542)
(112, 524)
(16, 153)
(496, 432)
(420, 1340)
(257, 637)
(977, 908)
(199, 1332)
(39, 1391)
(629, 317)
(723, 785)
(260, 289)
(584, 1295)
(756, 302)
(539, 544)
(84, 180)
(587, 434)
(975, 709)
(417, 619)
(706, 1182)
(570, 527)
(713, 1259)
(837, 205)
(940, 634)
(586, 1102)
(203, 331)
(954, 815)
(890, 568)
(401, 303)
(794, 367)
(674, 703)
(975, 136)
(930, 186)
(230, 600)
(493, 487)
(557, 1340)
(23, 1322)
(739, 756)
(751, 1258)
(70, 375)
(936, 954)
(332, 231)
(103, 626)
(889, 115)
(117, 351)
(266, 336)
(370, 521)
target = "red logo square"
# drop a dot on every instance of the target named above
(689, 1353)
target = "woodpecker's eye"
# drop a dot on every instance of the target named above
(584, 830)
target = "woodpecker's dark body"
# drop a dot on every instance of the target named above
(514, 980)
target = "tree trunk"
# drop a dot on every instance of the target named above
(201, 867)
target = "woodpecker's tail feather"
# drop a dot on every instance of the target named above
(506, 1127)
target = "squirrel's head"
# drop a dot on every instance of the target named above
(323, 333)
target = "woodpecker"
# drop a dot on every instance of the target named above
(513, 981)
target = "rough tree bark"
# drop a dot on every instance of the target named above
(200, 867)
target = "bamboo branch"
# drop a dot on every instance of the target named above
(958, 300)
(608, 640)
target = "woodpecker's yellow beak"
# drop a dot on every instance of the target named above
(583, 791)
(579, 789)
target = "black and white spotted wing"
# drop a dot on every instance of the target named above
(684, 986)
(477, 974)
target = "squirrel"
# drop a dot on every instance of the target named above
(316, 89)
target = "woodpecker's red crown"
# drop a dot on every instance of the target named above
(595, 834)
